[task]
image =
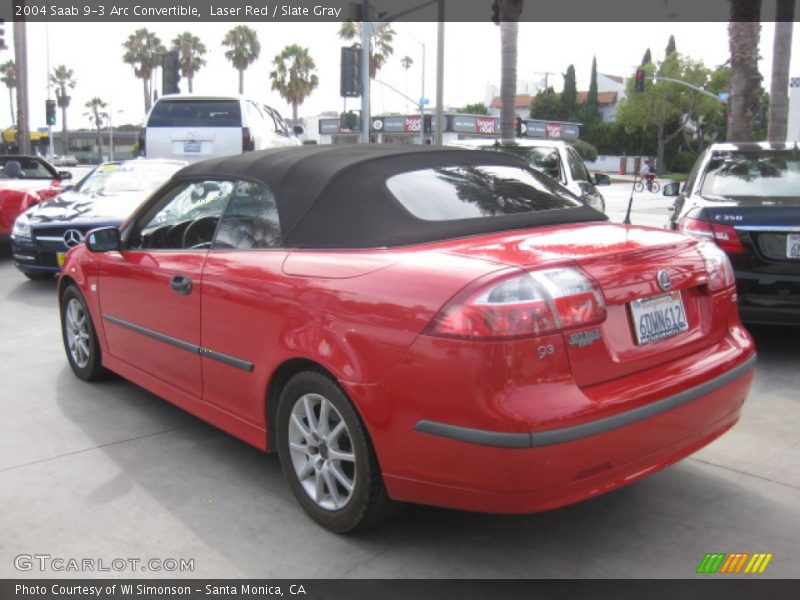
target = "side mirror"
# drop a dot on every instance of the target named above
(602, 179)
(672, 189)
(298, 130)
(105, 239)
(62, 175)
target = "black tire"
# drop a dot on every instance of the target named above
(655, 187)
(638, 187)
(85, 358)
(36, 276)
(368, 503)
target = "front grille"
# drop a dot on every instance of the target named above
(52, 238)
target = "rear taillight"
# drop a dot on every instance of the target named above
(522, 305)
(248, 143)
(140, 139)
(724, 235)
(718, 267)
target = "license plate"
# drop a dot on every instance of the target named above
(658, 317)
(793, 245)
(60, 258)
(192, 147)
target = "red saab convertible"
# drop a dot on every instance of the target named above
(25, 181)
(440, 326)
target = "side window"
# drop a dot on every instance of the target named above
(185, 218)
(250, 221)
(690, 180)
(576, 166)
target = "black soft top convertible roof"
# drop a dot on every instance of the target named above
(336, 196)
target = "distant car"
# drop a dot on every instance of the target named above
(555, 159)
(746, 198)
(65, 161)
(192, 128)
(423, 324)
(106, 196)
(25, 181)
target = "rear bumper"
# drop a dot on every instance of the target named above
(769, 298)
(618, 432)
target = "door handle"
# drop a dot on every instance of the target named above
(181, 284)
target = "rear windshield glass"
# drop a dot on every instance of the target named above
(452, 193)
(759, 173)
(542, 159)
(196, 113)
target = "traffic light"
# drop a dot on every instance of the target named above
(349, 121)
(427, 123)
(50, 111)
(350, 81)
(639, 82)
(170, 73)
(2, 34)
(496, 12)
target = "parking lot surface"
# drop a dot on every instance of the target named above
(106, 471)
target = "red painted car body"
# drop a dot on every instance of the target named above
(18, 194)
(511, 425)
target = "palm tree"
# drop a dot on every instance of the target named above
(64, 79)
(143, 52)
(510, 11)
(8, 75)
(190, 54)
(293, 76)
(743, 32)
(98, 117)
(380, 43)
(244, 49)
(781, 59)
(406, 63)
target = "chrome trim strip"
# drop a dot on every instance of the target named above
(51, 238)
(538, 439)
(775, 228)
(231, 361)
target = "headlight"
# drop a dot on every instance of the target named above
(22, 227)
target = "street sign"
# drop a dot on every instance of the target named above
(424, 101)
(724, 96)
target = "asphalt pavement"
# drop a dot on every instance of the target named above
(108, 471)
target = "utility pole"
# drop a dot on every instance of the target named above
(21, 61)
(437, 139)
(366, 31)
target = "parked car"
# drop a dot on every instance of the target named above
(427, 324)
(557, 160)
(746, 198)
(44, 233)
(192, 128)
(65, 161)
(25, 181)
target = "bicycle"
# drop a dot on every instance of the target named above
(653, 186)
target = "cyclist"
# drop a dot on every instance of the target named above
(648, 173)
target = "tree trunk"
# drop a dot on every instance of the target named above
(294, 111)
(241, 81)
(11, 104)
(509, 31)
(190, 84)
(146, 96)
(781, 60)
(743, 32)
(660, 149)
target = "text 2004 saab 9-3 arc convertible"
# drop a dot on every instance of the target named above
(434, 325)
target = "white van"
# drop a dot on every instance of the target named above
(192, 128)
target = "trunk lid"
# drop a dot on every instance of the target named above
(625, 262)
